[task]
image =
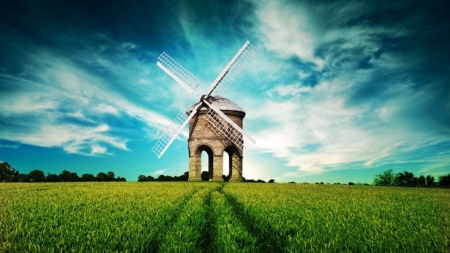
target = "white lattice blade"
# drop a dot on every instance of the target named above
(232, 70)
(173, 131)
(225, 70)
(177, 72)
(231, 130)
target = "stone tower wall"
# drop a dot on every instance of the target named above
(204, 137)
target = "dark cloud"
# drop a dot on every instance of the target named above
(49, 22)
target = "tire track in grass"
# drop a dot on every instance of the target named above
(188, 231)
(231, 235)
(209, 231)
(268, 239)
(156, 242)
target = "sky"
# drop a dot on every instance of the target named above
(339, 91)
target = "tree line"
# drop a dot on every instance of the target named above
(8, 174)
(388, 178)
(185, 177)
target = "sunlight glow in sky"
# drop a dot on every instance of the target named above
(338, 92)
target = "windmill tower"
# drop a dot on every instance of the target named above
(215, 123)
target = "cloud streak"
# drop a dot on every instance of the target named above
(61, 103)
(348, 116)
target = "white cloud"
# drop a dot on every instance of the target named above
(158, 172)
(97, 149)
(316, 128)
(128, 45)
(60, 89)
(9, 146)
(293, 90)
(287, 31)
(320, 131)
(104, 108)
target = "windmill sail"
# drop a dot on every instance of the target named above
(177, 72)
(215, 117)
(228, 128)
(173, 131)
(232, 70)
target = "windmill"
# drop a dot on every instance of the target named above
(215, 122)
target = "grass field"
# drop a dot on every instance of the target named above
(214, 217)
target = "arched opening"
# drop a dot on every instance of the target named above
(206, 162)
(226, 166)
(234, 167)
(205, 166)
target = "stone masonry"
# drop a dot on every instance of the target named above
(204, 137)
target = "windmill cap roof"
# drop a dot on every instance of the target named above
(224, 104)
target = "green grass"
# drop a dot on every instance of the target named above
(213, 217)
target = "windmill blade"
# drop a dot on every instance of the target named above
(177, 72)
(232, 70)
(228, 128)
(173, 131)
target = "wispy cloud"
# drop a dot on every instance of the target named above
(158, 172)
(69, 105)
(348, 116)
(9, 146)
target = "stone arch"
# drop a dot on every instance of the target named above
(214, 161)
(210, 152)
(234, 164)
(201, 147)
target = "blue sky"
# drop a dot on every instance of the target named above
(339, 91)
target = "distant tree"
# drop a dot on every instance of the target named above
(142, 178)
(23, 178)
(64, 176)
(51, 178)
(6, 172)
(111, 176)
(185, 176)
(87, 178)
(73, 177)
(421, 180)
(120, 179)
(205, 176)
(165, 178)
(351, 183)
(261, 181)
(272, 181)
(321, 182)
(101, 177)
(404, 179)
(444, 180)
(36, 176)
(430, 180)
(385, 178)
(150, 178)
(15, 177)
(292, 182)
